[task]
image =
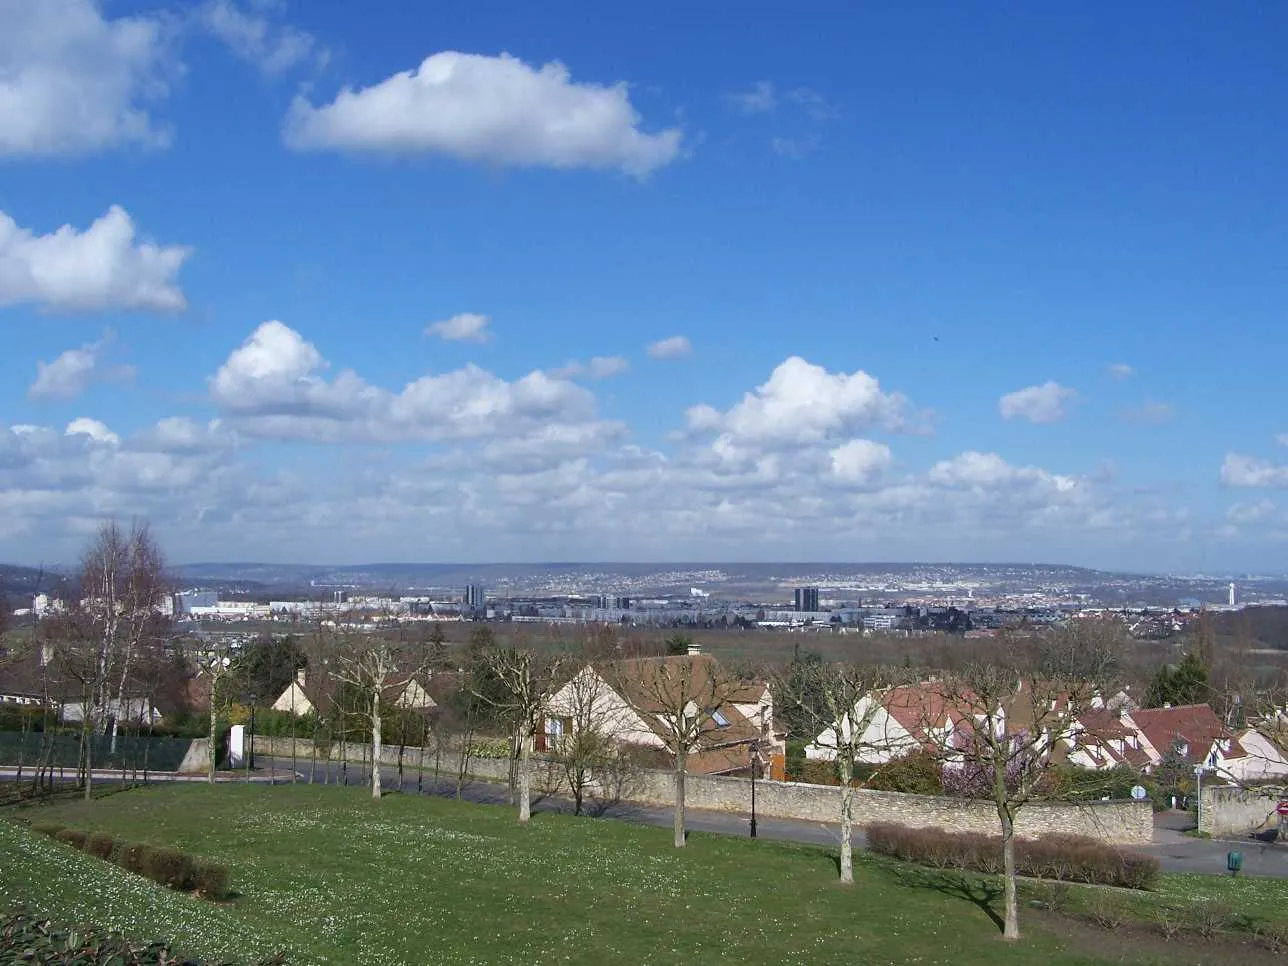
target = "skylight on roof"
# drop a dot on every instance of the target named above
(718, 717)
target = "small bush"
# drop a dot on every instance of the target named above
(1106, 911)
(1209, 917)
(210, 879)
(1168, 922)
(1063, 858)
(919, 773)
(133, 856)
(73, 837)
(100, 845)
(169, 867)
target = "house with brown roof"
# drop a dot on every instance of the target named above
(635, 702)
(1192, 732)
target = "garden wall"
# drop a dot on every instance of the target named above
(1118, 822)
(1230, 810)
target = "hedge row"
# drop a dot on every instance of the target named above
(169, 867)
(1066, 858)
(25, 938)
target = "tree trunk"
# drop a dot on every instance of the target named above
(1011, 922)
(525, 780)
(214, 726)
(375, 747)
(680, 763)
(846, 765)
(87, 736)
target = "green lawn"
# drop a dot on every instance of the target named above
(332, 877)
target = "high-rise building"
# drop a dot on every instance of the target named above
(806, 599)
(1234, 595)
(475, 597)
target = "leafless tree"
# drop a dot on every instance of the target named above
(580, 735)
(840, 705)
(521, 682)
(682, 695)
(1005, 725)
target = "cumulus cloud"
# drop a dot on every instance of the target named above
(93, 428)
(465, 327)
(988, 470)
(1047, 403)
(860, 461)
(1120, 371)
(73, 83)
(101, 268)
(493, 110)
(1249, 472)
(71, 373)
(674, 347)
(804, 403)
(274, 386)
(273, 48)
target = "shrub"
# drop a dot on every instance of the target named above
(210, 879)
(919, 773)
(169, 867)
(73, 837)
(1064, 858)
(100, 845)
(1209, 917)
(132, 856)
(1106, 911)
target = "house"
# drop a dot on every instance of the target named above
(1264, 759)
(1191, 732)
(900, 720)
(302, 697)
(634, 701)
(1104, 738)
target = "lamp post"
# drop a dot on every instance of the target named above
(250, 751)
(755, 766)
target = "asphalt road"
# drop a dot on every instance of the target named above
(1176, 852)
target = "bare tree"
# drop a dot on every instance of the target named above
(1004, 727)
(521, 680)
(375, 670)
(840, 706)
(579, 734)
(682, 696)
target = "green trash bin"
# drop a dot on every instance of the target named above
(1234, 862)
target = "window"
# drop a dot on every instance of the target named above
(719, 718)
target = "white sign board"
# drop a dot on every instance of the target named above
(237, 746)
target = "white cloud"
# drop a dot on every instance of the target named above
(1047, 403)
(273, 386)
(804, 403)
(598, 368)
(271, 47)
(465, 327)
(813, 103)
(73, 83)
(1248, 471)
(1281, 439)
(71, 373)
(1120, 371)
(860, 461)
(990, 471)
(1150, 413)
(101, 268)
(1244, 513)
(674, 347)
(95, 430)
(761, 99)
(494, 110)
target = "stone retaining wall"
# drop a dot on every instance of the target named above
(1118, 822)
(1230, 810)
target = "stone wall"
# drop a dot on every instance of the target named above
(1230, 810)
(1119, 822)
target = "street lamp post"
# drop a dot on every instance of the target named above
(250, 752)
(755, 766)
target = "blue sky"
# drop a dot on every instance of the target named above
(534, 282)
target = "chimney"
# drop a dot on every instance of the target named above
(695, 649)
(299, 676)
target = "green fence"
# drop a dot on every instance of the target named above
(63, 750)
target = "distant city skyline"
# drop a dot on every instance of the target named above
(307, 282)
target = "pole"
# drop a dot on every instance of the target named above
(252, 736)
(754, 763)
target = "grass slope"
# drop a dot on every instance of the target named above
(333, 877)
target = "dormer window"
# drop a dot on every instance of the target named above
(719, 718)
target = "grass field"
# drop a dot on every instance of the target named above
(332, 877)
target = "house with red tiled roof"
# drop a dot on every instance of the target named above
(1192, 732)
(304, 696)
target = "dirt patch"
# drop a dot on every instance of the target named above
(1131, 942)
